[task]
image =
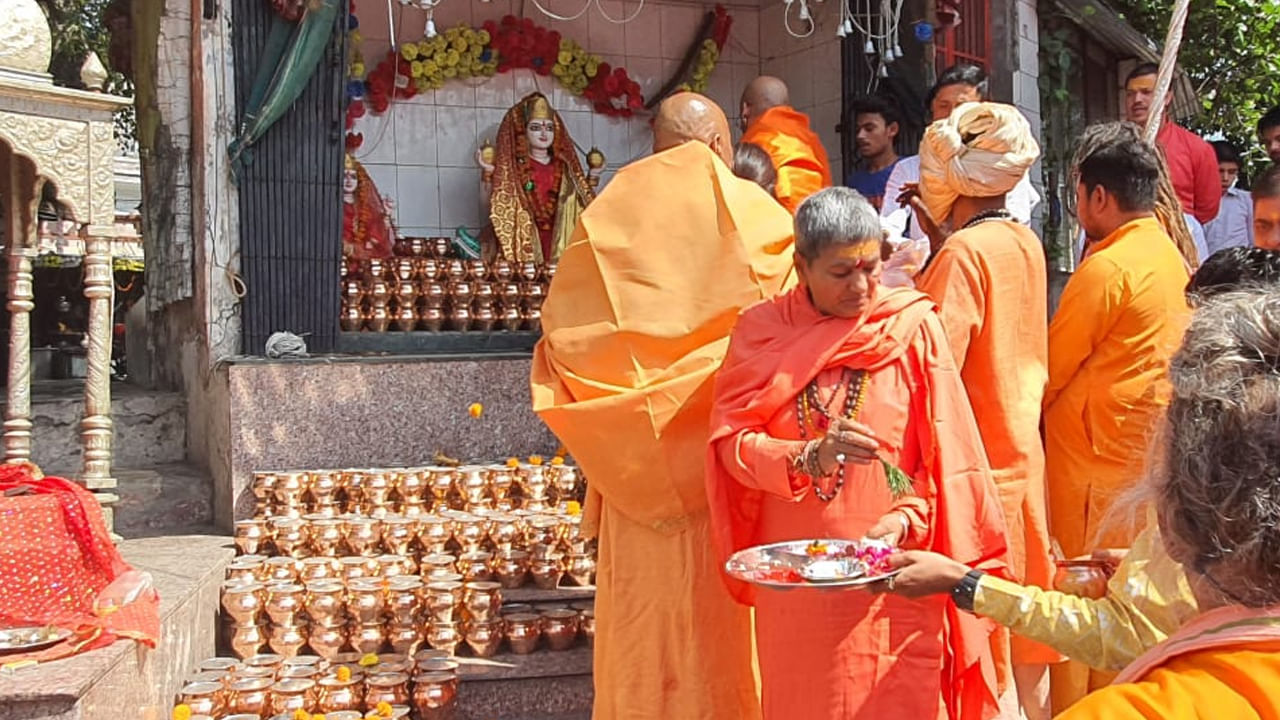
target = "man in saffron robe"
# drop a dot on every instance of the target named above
(768, 120)
(819, 385)
(635, 326)
(1118, 322)
(989, 282)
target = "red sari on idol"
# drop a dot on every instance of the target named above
(855, 654)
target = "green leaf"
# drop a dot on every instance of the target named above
(900, 483)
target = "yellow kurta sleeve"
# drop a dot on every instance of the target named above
(1147, 599)
(1082, 321)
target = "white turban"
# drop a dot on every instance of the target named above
(982, 150)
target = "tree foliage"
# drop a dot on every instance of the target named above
(78, 28)
(1231, 51)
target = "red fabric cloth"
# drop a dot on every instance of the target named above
(780, 345)
(56, 558)
(1193, 167)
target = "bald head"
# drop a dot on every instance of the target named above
(761, 94)
(688, 116)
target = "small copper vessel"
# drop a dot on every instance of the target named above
(438, 246)
(434, 565)
(317, 568)
(549, 270)
(287, 639)
(390, 566)
(224, 665)
(323, 487)
(460, 318)
(378, 318)
(560, 627)
(477, 270)
(249, 695)
(251, 536)
(443, 601)
(433, 293)
(1083, 578)
(203, 698)
(289, 487)
(243, 602)
(354, 566)
(503, 270)
(410, 485)
(444, 635)
(365, 600)
(246, 571)
(504, 531)
(403, 270)
(588, 625)
(482, 600)
(418, 247)
(289, 696)
(529, 271)
(435, 695)
(440, 480)
(534, 294)
(533, 320)
(267, 661)
(325, 536)
(326, 602)
(455, 270)
(375, 268)
(290, 536)
(484, 636)
(390, 688)
(512, 568)
(523, 631)
(582, 569)
(423, 657)
(471, 533)
(362, 535)
(435, 532)
(398, 533)
(263, 489)
(547, 571)
(476, 566)
(352, 483)
(284, 601)
(281, 569)
(501, 478)
(327, 641)
(377, 489)
(404, 595)
(484, 319)
(351, 318)
(335, 695)
(404, 638)
(368, 638)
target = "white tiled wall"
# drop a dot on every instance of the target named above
(810, 66)
(421, 151)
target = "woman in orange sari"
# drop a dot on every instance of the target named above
(819, 385)
(1217, 499)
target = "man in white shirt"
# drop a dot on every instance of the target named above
(1233, 227)
(957, 85)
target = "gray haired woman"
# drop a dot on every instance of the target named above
(820, 385)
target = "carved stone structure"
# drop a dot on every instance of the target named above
(57, 139)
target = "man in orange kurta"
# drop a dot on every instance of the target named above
(634, 328)
(989, 282)
(768, 120)
(1118, 322)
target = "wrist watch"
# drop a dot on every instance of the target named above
(963, 593)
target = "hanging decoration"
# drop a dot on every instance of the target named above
(700, 60)
(290, 10)
(355, 80)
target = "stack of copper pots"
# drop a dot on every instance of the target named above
(345, 688)
(432, 292)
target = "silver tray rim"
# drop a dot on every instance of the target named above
(56, 636)
(735, 561)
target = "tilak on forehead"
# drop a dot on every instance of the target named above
(1143, 82)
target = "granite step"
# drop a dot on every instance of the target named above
(125, 680)
(162, 499)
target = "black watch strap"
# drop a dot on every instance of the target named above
(965, 590)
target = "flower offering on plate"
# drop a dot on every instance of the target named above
(799, 563)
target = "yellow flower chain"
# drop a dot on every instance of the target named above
(455, 53)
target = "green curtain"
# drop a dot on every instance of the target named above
(290, 58)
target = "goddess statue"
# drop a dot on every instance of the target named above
(366, 222)
(535, 183)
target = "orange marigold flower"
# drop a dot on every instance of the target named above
(574, 507)
(557, 460)
(513, 463)
(384, 709)
(475, 410)
(344, 673)
(301, 714)
(535, 459)
(182, 712)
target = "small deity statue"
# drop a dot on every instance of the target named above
(366, 222)
(535, 183)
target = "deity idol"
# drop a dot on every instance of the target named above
(535, 183)
(366, 224)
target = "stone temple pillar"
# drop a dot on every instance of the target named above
(21, 200)
(95, 428)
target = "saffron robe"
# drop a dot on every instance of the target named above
(797, 152)
(1223, 664)
(855, 654)
(989, 282)
(635, 326)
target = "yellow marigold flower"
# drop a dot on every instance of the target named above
(459, 44)
(384, 709)
(441, 57)
(409, 51)
(565, 57)
(182, 712)
(318, 716)
(574, 507)
(415, 69)
(591, 69)
(344, 673)
(450, 72)
(482, 37)
(475, 50)
(357, 70)
(301, 714)
(451, 34)
(475, 410)
(368, 660)
(557, 460)
(422, 84)
(558, 71)
(429, 67)
(535, 459)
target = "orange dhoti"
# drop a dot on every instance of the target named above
(635, 326)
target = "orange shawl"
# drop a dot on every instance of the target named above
(638, 319)
(1222, 627)
(797, 152)
(777, 348)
